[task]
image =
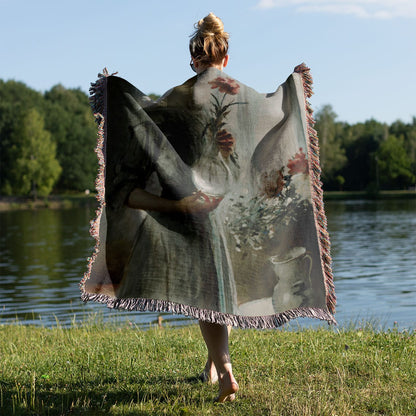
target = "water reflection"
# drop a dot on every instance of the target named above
(374, 260)
(43, 257)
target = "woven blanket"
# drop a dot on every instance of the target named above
(262, 256)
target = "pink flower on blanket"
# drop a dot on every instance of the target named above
(299, 164)
(225, 85)
(226, 142)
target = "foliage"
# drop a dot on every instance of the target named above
(394, 163)
(35, 167)
(153, 96)
(332, 154)
(103, 369)
(365, 156)
(15, 99)
(70, 123)
(70, 120)
(408, 133)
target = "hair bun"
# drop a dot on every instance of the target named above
(209, 42)
(211, 25)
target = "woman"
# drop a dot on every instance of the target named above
(209, 48)
(212, 205)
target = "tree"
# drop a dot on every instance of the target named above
(35, 168)
(153, 96)
(7, 122)
(362, 141)
(408, 133)
(394, 164)
(15, 98)
(332, 154)
(71, 123)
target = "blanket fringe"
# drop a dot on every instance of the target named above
(317, 193)
(98, 106)
(245, 322)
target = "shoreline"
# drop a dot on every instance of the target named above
(348, 195)
(66, 201)
(61, 201)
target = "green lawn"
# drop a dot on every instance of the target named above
(104, 369)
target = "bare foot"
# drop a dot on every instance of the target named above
(209, 374)
(228, 388)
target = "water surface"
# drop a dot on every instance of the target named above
(43, 257)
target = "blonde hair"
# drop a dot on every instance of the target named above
(209, 42)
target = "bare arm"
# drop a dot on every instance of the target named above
(198, 203)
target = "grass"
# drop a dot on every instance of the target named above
(104, 369)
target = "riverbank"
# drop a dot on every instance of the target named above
(64, 201)
(345, 195)
(102, 369)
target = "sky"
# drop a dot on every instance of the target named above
(362, 53)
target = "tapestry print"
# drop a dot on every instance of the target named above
(261, 257)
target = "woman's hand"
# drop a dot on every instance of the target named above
(197, 204)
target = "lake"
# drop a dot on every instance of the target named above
(43, 257)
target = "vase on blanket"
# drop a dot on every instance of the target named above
(214, 176)
(294, 284)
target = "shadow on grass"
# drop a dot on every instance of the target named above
(100, 395)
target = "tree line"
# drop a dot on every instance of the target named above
(369, 156)
(47, 143)
(47, 140)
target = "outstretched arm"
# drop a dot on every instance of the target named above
(197, 203)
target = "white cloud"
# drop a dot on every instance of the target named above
(374, 9)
